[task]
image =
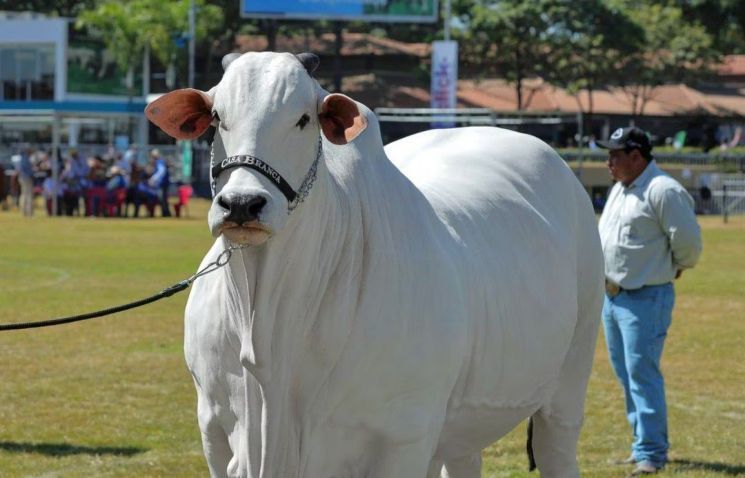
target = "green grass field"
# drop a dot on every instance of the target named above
(112, 397)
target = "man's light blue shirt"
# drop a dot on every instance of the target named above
(25, 167)
(649, 230)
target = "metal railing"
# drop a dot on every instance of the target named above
(720, 162)
(727, 194)
(468, 117)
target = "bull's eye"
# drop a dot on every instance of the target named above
(303, 121)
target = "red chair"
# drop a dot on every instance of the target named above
(95, 200)
(184, 194)
(115, 201)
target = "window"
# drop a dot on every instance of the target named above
(26, 72)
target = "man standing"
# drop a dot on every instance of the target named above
(160, 180)
(650, 235)
(25, 169)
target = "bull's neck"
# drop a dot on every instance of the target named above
(292, 317)
(287, 275)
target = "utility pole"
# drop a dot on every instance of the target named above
(192, 40)
(447, 20)
(338, 31)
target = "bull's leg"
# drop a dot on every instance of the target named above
(464, 467)
(555, 446)
(214, 440)
(556, 425)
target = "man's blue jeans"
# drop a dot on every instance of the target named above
(636, 324)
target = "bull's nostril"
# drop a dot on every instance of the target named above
(223, 203)
(256, 205)
(241, 208)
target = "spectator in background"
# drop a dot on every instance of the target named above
(592, 143)
(78, 174)
(649, 234)
(116, 191)
(143, 193)
(51, 188)
(25, 170)
(43, 163)
(3, 190)
(96, 194)
(71, 190)
(160, 180)
(129, 159)
(598, 202)
(705, 194)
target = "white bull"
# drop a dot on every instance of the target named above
(404, 316)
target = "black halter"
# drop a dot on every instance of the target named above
(294, 198)
(252, 162)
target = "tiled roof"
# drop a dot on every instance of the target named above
(539, 97)
(352, 44)
(405, 90)
(732, 65)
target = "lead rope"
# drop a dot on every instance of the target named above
(221, 261)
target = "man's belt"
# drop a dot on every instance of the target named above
(612, 289)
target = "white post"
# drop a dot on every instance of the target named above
(447, 20)
(580, 150)
(146, 71)
(192, 43)
(55, 160)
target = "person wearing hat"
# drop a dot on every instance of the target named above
(160, 180)
(650, 235)
(25, 171)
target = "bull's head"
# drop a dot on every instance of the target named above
(268, 113)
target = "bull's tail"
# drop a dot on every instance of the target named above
(529, 446)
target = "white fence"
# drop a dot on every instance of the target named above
(727, 194)
(723, 162)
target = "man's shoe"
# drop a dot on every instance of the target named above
(645, 467)
(626, 461)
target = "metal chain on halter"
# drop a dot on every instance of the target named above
(213, 181)
(310, 178)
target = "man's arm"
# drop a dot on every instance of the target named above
(678, 219)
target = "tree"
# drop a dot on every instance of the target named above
(60, 8)
(128, 27)
(672, 50)
(589, 40)
(724, 21)
(506, 37)
(167, 27)
(119, 24)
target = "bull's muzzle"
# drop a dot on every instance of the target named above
(240, 208)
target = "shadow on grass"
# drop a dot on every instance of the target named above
(64, 449)
(723, 468)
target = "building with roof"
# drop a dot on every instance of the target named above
(59, 87)
(382, 72)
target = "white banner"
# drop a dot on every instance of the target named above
(444, 77)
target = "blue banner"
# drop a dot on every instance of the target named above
(371, 10)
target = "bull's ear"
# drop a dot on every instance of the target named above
(341, 120)
(183, 114)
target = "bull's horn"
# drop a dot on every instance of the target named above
(229, 58)
(309, 61)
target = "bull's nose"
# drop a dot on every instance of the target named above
(241, 208)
